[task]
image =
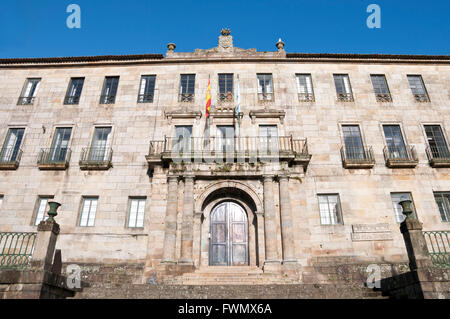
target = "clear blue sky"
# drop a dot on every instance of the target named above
(37, 28)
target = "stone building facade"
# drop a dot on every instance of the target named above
(307, 172)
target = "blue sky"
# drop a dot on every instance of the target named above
(37, 28)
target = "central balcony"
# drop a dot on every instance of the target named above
(237, 149)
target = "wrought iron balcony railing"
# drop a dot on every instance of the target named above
(145, 98)
(438, 156)
(72, 100)
(383, 97)
(10, 158)
(421, 97)
(306, 97)
(54, 158)
(16, 250)
(400, 156)
(266, 97)
(25, 100)
(345, 97)
(438, 243)
(357, 157)
(107, 99)
(225, 97)
(283, 147)
(186, 97)
(96, 158)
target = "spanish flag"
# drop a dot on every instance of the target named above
(208, 99)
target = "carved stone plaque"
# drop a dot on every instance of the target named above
(375, 228)
(375, 232)
(372, 236)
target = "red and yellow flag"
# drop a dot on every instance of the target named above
(208, 99)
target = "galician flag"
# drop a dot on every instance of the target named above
(208, 99)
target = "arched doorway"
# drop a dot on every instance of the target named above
(229, 235)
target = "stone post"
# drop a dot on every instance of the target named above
(44, 248)
(287, 235)
(270, 226)
(187, 234)
(171, 221)
(415, 243)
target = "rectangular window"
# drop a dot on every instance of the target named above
(42, 209)
(443, 202)
(136, 213)
(343, 88)
(187, 88)
(100, 147)
(1, 200)
(183, 134)
(88, 211)
(226, 87)
(268, 139)
(330, 209)
(437, 145)
(225, 138)
(74, 91)
(60, 145)
(29, 91)
(109, 91)
(11, 148)
(354, 148)
(265, 87)
(305, 88)
(398, 211)
(418, 88)
(394, 140)
(147, 89)
(381, 88)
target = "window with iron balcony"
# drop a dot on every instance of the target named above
(187, 88)
(265, 88)
(381, 88)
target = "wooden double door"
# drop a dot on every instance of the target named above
(229, 236)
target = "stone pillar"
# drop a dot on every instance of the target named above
(415, 243)
(44, 248)
(287, 235)
(187, 231)
(171, 221)
(270, 226)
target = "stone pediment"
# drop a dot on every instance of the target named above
(225, 49)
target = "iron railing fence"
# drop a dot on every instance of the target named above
(16, 250)
(145, 98)
(234, 146)
(26, 100)
(421, 97)
(10, 155)
(404, 153)
(306, 97)
(355, 155)
(96, 155)
(345, 97)
(71, 100)
(383, 97)
(60, 155)
(186, 97)
(439, 153)
(107, 99)
(266, 97)
(438, 243)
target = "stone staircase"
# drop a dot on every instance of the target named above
(229, 276)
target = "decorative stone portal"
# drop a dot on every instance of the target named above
(231, 229)
(228, 242)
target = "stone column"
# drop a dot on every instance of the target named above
(171, 221)
(187, 230)
(415, 243)
(44, 248)
(287, 235)
(270, 226)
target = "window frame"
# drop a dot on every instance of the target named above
(381, 96)
(130, 201)
(38, 206)
(411, 198)
(142, 97)
(349, 95)
(29, 99)
(339, 218)
(83, 199)
(109, 99)
(308, 96)
(427, 96)
(448, 206)
(264, 92)
(5, 144)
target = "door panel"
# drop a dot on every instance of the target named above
(229, 236)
